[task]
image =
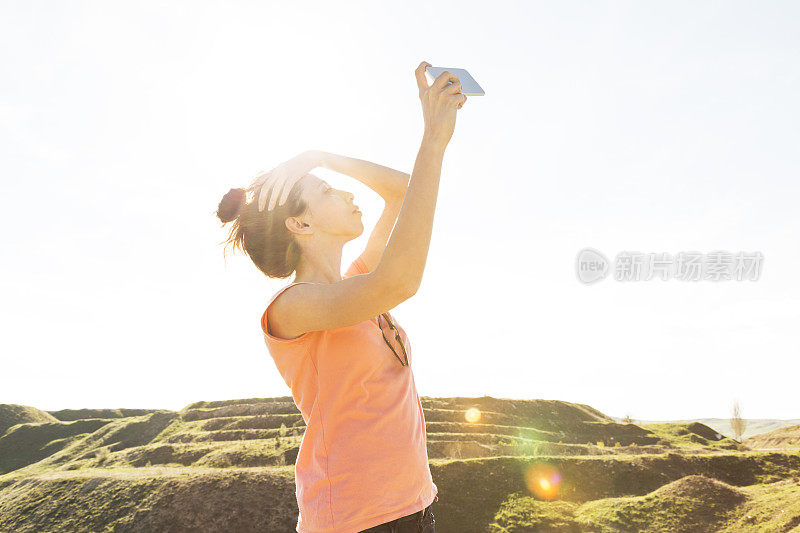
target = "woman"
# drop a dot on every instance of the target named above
(362, 463)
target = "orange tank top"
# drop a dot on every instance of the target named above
(363, 459)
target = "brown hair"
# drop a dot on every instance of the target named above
(263, 235)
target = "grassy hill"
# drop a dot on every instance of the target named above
(690, 504)
(788, 438)
(755, 426)
(11, 415)
(228, 466)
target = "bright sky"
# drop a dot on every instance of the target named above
(621, 126)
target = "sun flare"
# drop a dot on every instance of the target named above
(472, 415)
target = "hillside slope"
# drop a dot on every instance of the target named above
(786, 438)
(229, 464)
(723, 425)
(12, 414)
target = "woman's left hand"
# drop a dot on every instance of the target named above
(274, 186)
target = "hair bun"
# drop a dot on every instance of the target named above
(231, 204)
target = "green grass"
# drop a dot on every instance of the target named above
(693, 436)
(691, 504)
(771, 507)
(230, 464)
(524, 513)
(12, 414)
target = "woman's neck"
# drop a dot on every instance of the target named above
(320, 265)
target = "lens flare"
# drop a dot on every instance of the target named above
(473, 415)
(543, 480)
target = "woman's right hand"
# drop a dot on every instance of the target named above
(272, 188)
(439, 105)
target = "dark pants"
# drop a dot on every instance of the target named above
(419, 522)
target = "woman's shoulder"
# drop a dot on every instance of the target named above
(272, 331)
(268, 325)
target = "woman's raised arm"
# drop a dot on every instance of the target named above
(407, 250)
(390, 184)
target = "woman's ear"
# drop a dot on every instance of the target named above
(297, 225)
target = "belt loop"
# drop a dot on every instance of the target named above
(421, 518)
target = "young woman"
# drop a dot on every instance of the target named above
(363, 462)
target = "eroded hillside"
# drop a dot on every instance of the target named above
(784, 438)
(229, 464)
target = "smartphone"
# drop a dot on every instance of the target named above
(469, 86)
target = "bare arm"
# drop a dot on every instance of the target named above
(389, 183)
(407, 251)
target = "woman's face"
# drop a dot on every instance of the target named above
(330, 210)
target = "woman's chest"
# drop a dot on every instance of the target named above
(375, 345)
